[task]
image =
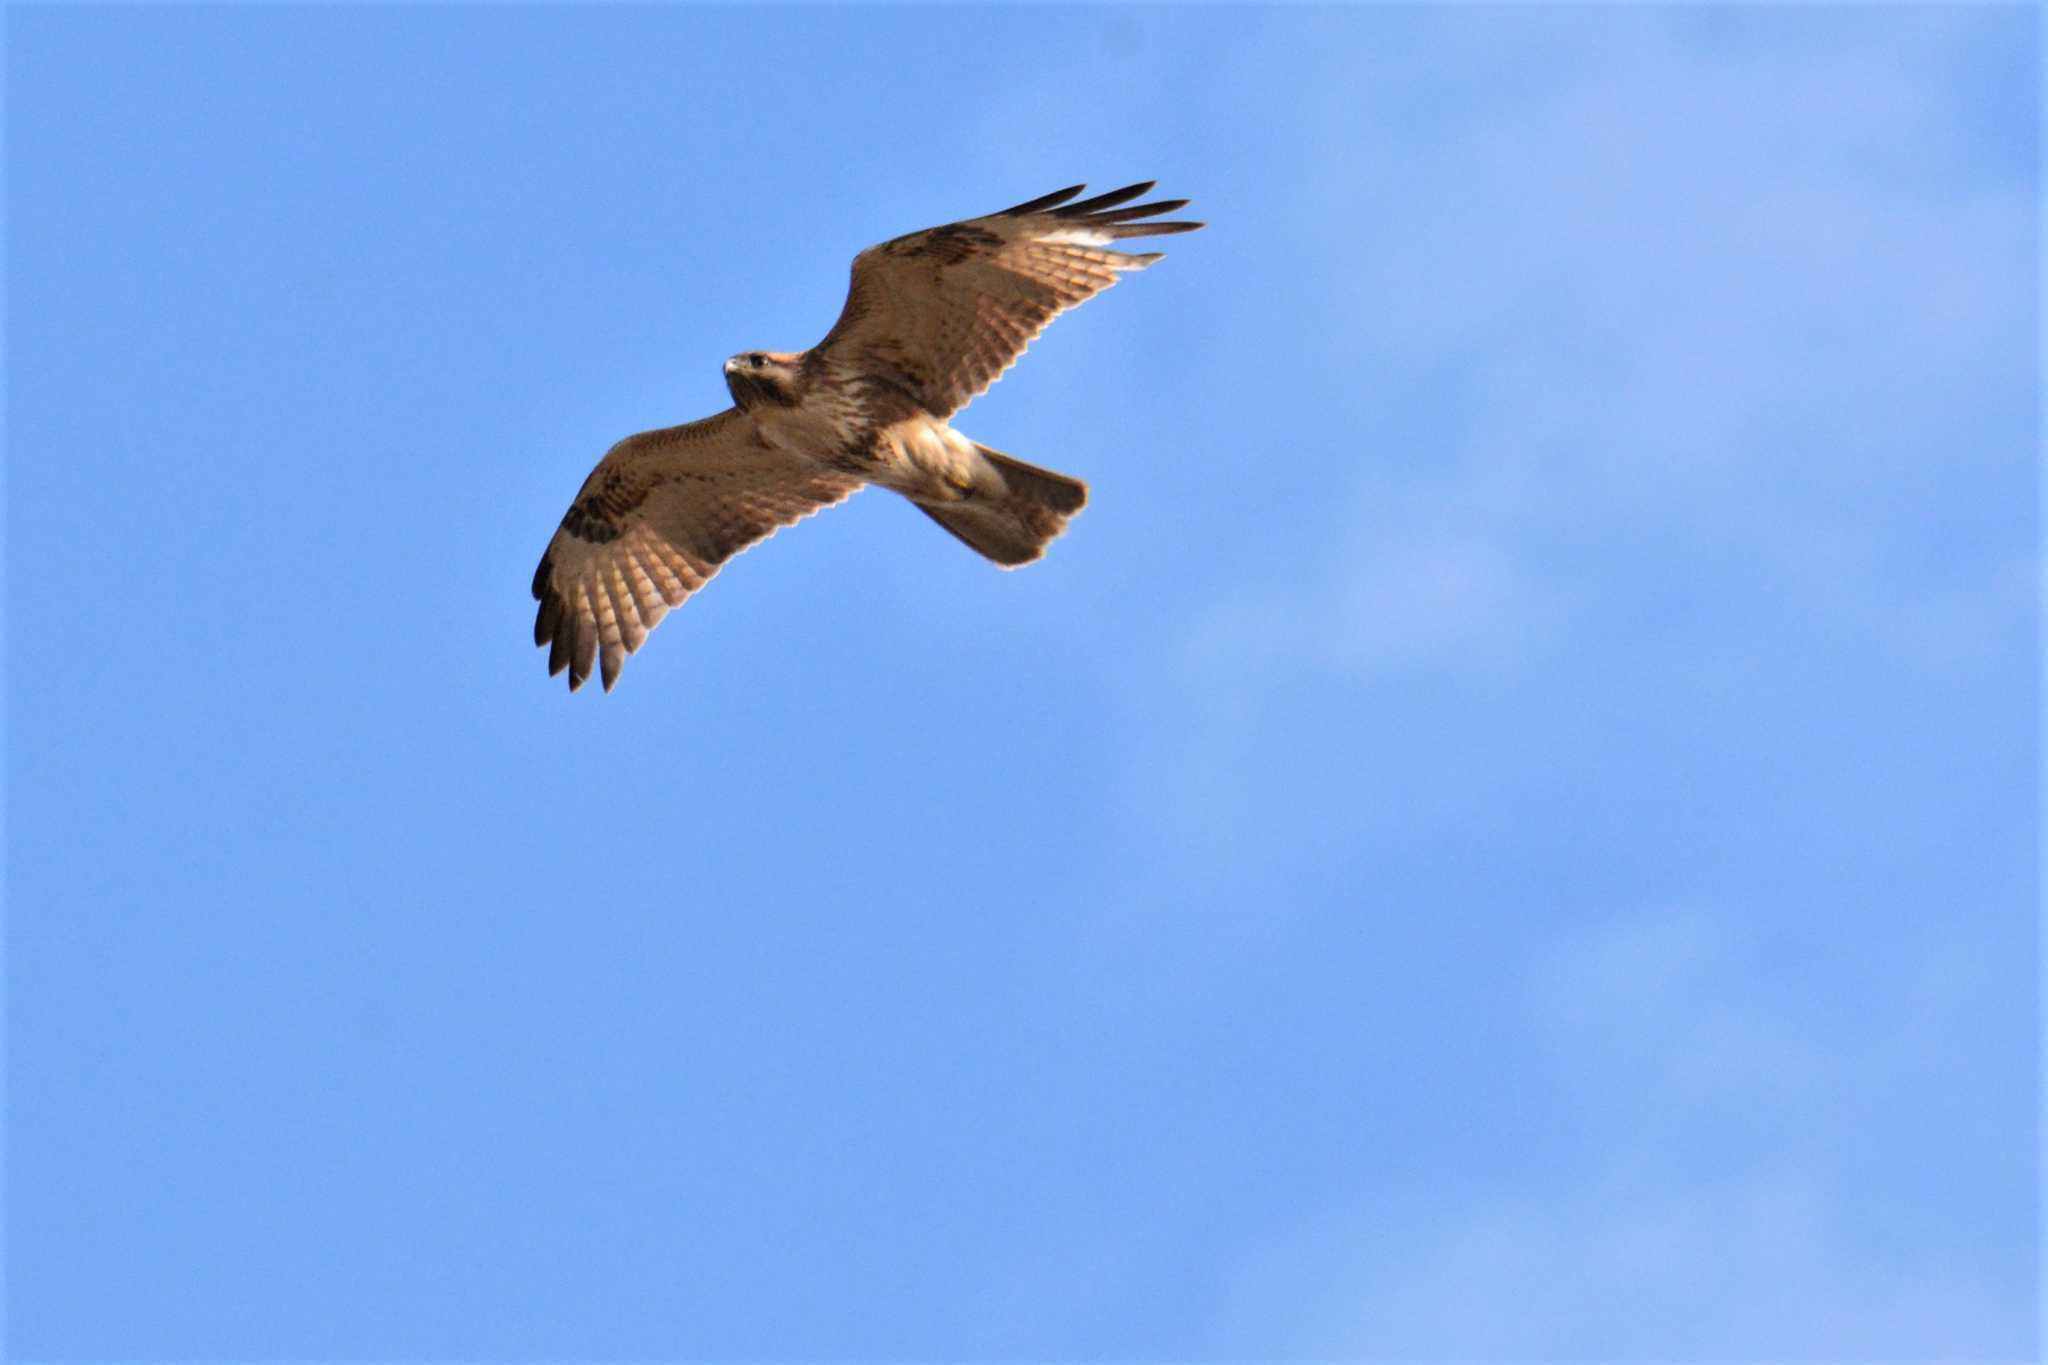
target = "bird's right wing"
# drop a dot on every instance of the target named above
(651, 525)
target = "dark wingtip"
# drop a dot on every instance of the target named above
(1044, 201)
(1139, 211)
(547, 618)
(1153, 229)
(1110, 200)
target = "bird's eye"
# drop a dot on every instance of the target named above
(755, 360)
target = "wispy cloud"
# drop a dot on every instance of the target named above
(1716, 1209)
(1684, 538)
(1692, 382)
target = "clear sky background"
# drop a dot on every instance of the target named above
(1507, 830)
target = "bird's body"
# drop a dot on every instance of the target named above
(822, 413)
(931, 320)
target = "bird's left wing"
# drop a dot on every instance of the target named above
(937, 316)
(651, 525)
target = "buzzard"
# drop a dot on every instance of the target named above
(931, 320)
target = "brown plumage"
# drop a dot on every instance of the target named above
(931, 320)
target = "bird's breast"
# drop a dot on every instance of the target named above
(816, 429)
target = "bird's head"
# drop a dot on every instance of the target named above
(759, 378)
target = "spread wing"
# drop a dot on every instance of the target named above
(939, 315)
(652, 523)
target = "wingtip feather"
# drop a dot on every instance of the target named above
(1125, 215)
(1044, 201)
(1109, 200)
(1152, 229)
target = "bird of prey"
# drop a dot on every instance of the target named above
(931, 320)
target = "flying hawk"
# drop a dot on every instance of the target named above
(931, 320)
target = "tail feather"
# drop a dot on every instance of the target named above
(1015, 526)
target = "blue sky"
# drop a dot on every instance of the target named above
(1508, 830)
